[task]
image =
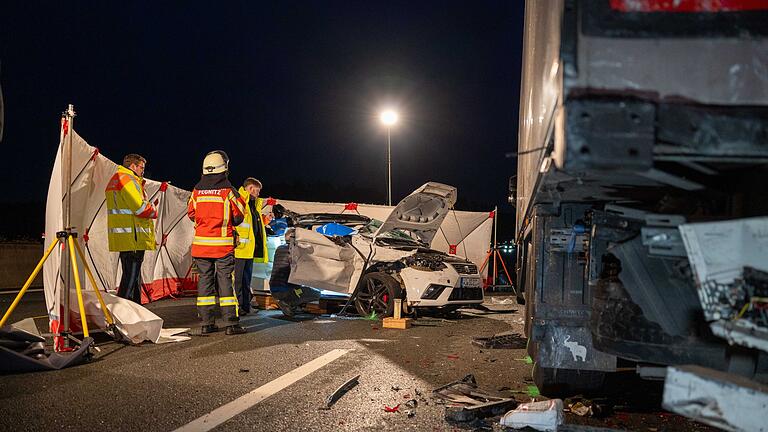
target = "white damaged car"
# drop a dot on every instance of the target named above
(390, 259)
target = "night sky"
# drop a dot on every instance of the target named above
(291, 90)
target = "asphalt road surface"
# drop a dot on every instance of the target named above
(277, 375)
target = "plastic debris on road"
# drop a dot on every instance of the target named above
(395, 408)
(543, 416)
(339, 392)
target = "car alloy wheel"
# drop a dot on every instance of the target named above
(377, 293)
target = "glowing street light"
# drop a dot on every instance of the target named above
(389, 118)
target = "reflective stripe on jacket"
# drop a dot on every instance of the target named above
(129, 214)
(215, 212)
(246, 247)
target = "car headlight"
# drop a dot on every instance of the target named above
(424, 263)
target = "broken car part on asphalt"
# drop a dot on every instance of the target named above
(339, 392)
(467, 402)
(504, 340)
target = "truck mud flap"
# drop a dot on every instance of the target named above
(564, 347)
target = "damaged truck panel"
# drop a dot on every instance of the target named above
(665, 114)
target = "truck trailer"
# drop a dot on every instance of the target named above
(639, 118)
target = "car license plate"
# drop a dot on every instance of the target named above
(470, 282)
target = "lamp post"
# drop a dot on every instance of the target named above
(389, 118)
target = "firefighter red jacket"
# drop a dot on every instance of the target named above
(215, 208)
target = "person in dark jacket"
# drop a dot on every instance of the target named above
(288, 296)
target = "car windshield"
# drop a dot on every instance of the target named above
(392, 236)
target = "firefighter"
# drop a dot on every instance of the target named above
(216, 208)
(129, 223)
(252, 242)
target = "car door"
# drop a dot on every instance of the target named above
(319, 262)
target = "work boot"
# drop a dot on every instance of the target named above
(209, 328)
(235, 330)
(285, 308)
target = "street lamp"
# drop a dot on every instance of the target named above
(389, 118)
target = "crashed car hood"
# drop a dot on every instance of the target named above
(422, 212)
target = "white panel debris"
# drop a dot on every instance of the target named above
(543, 416)
(726, 401)
(741, 332)
(719, 251)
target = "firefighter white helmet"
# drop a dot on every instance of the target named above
(215, 162)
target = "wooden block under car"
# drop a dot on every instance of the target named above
(397, 323)
(264, 301)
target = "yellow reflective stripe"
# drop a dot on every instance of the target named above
(237, 202)
(142, 208)
(244, 225)
(206, 238)
(206, 301)
(213, 241)
(225, 220)
(243, 240)
(215, 199)
(228, 301)
(120, 211)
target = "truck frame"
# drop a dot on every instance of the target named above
(636, 116)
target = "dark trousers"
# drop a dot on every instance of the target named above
(243, 273)
(130, 282)
(215, 287)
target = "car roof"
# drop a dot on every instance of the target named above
(349, 219)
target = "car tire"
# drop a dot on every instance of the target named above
(377, 293)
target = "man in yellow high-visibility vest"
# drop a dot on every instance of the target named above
(252, 243)
(131, 230)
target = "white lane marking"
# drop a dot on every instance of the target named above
(253, 325)
(231, 409)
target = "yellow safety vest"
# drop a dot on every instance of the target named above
(246, 247)
(129, 214)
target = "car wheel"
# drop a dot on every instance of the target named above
(377, 293)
